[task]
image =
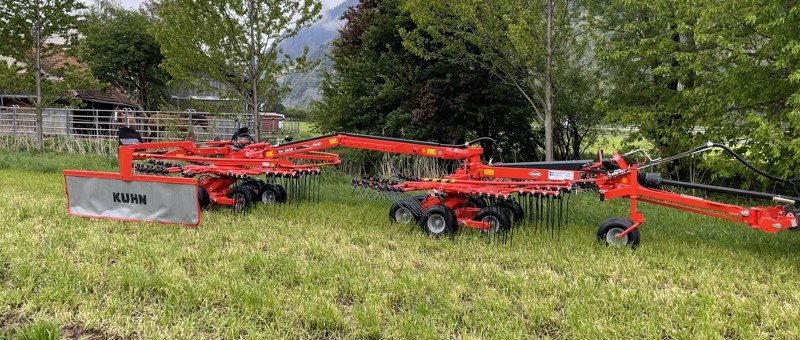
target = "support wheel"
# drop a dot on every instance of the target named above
(612, 227)
(202, 197)
(475, 202)
(281, 198)
(256, 185)
(497, 219)
(242, 197)
(270, 194)
(513, 209)
(440, 221)
(400, 213)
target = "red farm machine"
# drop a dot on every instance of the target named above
(172, 182)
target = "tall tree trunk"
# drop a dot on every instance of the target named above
(144, 100)
(256, 115)
(548, 87)
(38, 69)
(254, 73)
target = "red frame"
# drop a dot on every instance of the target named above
(623, 183)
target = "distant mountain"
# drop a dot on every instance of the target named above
(318, 38)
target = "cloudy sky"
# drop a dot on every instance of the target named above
(134, 4)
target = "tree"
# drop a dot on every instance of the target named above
(25, 26)
(379, 87)
(689, 72)
(520, 42)
(119, 50)
(234, 44)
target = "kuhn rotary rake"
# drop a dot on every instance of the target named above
(172, 181)
(221, 173)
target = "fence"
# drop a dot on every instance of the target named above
(153, 125)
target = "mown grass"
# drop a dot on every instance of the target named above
(337, 269)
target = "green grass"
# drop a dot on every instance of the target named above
(337, 269)
(306, 130)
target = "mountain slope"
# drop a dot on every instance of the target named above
(318, 37)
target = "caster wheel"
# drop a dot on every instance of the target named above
(202, 198)
(497, 219)
(439, 222)
(400, 213)
(270, 194)
(242, 197)
(513, 209)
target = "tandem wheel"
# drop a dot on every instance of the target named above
(400, 213)
(440, 220)
(242, 197)
(499, 221)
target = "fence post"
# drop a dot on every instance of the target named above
(14, 120)
(66, 118)
(96, 124)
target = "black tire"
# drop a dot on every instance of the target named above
(421, 198)
(202, 197)
(438, 222)
(475, 202)
(255, 185)
(400, 213)
(280, 190)
(499, 219)
(615, 225)
(270, 194)
(242, 196)
(516, 212)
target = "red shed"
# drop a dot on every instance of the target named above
(272, 122)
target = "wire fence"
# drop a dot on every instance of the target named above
(152, 125)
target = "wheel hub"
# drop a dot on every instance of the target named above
(267, 197)
(494, 223)
(436, 224)
(612, 240)
(403, 215)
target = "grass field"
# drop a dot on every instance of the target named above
(337, 269)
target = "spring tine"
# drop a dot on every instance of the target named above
(540, 215)
(550, 214)
(560, 210)
(414, 205)
(569, 195)
(528, 212)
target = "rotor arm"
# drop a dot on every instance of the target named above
(381, 144)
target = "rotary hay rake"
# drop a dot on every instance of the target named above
(171, 182)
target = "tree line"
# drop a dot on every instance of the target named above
(536, 76)
(539, 76)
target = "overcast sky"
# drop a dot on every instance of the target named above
(134, 4)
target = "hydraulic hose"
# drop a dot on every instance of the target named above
(738, 157)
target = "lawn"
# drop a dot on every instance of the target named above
(337, 269)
